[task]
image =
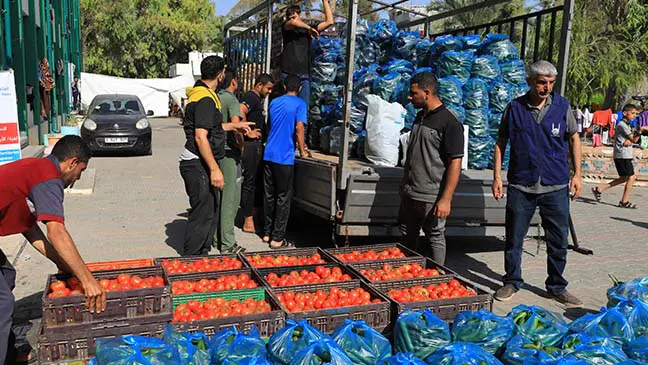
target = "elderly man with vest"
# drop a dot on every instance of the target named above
(542, 133)
(204, 147)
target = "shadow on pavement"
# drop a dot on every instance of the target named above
(636, 223)
(575, 313)
(28, 309)
(175, 231)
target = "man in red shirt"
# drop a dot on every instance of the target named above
(31, 190)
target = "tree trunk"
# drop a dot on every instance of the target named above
(610, 96)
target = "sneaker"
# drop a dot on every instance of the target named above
(505, 293)
(568, 300)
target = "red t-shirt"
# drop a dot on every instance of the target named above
(31, 190)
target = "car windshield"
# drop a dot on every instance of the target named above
(115, 106)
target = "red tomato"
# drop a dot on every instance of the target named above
(57, 285)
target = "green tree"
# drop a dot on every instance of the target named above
(472, 18)
(142, 38)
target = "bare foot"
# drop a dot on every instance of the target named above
(248, 226)
(266, 239)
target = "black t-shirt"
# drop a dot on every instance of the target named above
(296, 55)
(203, 114)
(256, 112)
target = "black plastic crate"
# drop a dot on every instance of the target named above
(159, 260)
(299, 252)
(445, 309)
(377, 315)
(262, 273)
(426, 263)
(333, 252)
(123, 308)
(76, 347)
(267, 323)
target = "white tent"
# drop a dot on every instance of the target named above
(154, 93)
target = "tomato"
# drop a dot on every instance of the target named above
(406, 271)
(284, 260)
(204, 264)
(371, 255)
(135, 281)
(452, 289)
(334, 298)
(57, 285)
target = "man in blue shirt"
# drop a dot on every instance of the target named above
(287, 121)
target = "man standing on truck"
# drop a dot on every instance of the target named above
(31, 191)
(297, 36)
(287, 123)
(253, 110)
(432, 169)
(542, 131)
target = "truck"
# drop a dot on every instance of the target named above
(362, 199)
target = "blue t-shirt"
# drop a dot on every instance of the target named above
(631, 123)
(285, 112)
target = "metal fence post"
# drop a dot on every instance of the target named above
(563, 47)
(269, 39)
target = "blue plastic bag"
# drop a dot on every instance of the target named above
(513, 72)
(404, 45)
(323, 352)
(382, 31)
(632, 362)
(494, 122)
(479, 151)
(518, 90)
(403, 359)
(636, 312)
(326, 49)
(324, 72)
(637, 349)
(411, 115)
(288, 341)
(609, 323)
(634, 289)
(424, 55)
(423, 69)
(472, 41)
(402, 90)
(457, 64)
(398, 65)
(537, 324)
(499, 96)
(482, 328)
(560, 361)
(447, 43)
(135, 350)
(499, 46)
(475, 94)
(248, 361)
(485, 67)
(385, 86)
(192, 347)
(518, 350)
(450, 90)
(477, 122)
(599, 350)
(362, 344)
(234, 345)
(358, 117)
(458, 111)
(325, 94)
(460, 353)
(420, 333)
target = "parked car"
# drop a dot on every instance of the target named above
(117, 123)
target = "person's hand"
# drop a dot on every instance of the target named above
(627, 143)
(254, 134)
(442, 208)
(95, 296)
(576, 187)
(305, 153)
(498, 188)
(313, 32)
(217, 179)
(243, 126)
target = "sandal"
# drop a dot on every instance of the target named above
(597, 194)
(284, 244)
(627, 205)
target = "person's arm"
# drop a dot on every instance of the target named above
(500, 148)
(38, 240)
(301, 140)
(244, 111)
(453, 171)
(328, 17)
(576, 186)
(294, 23)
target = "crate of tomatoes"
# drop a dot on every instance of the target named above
(196, 264)
(326, 306)
(134, 296)
(444, 296)
(214, 314)
(119, 264)
(305, 275)
(382, 252)
(233, 284)
(406, 268)
(281, 258)
(78, 346)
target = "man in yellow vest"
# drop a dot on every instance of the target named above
(205, 145)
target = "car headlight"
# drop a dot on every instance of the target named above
(89, 124)
(142, 124)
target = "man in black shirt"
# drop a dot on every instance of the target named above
(432, 168)
(297, 36)
(253, 110)
(204, 146)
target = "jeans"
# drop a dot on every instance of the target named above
(229, 203)
(305, 84)
(204, 202)
(7, 283)
(250, 161)
(554, 212)
(278, 188)
(415, 215)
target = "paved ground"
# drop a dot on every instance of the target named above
(138, 205)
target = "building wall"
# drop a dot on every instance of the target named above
(33, 30)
